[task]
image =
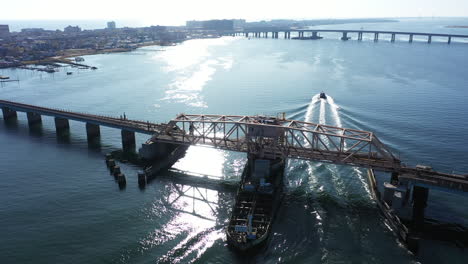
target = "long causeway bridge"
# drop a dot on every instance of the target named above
(267, 137)
(359, 33)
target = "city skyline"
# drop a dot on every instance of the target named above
(177, 12)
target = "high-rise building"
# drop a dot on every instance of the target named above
(194, 24)
(239, 23)
(111, 25)
(216, 24)
(4, 30)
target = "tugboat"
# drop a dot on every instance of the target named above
(323, 96)
(258, 198)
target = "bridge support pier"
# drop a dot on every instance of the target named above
(420, 196)
(394, 178)
(62, 125)
(33, 118)
(8, 113)
(345, 36)
(128, 141)
(360, 36)
(92, 131)
(449, 40)
(376, 36)
(411, 38)
(429, 39)
(393, 38)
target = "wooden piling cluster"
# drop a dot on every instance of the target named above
(115, 171)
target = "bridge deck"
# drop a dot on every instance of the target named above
(358, 31)
(108, 121)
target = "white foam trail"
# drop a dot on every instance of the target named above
(334, 108)
(311, 107)
(322, 112)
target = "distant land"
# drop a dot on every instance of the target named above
(456, 26)
(315, 22)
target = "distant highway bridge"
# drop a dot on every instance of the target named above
(313, 33)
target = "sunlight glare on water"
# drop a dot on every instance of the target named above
(193, 65)
(203, 160)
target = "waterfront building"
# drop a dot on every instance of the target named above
(215, 24)
(219, 25)
(239, 23)
(4, 31)
(32, 30)
(194, 24)
(71, 29)
(111, 25)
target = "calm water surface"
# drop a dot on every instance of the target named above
(58, 203)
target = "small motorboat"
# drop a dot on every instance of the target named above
(69, 73)
(323, 96)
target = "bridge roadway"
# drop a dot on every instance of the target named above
(108, 121)
(359, 31)
(268, 137)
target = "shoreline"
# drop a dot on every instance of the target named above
(65, 56)
(455, 26)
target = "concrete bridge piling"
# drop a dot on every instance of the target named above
(62, 126)
(376, 37)
(9, 113)
(420, 197)
(33, 118)
(92, 132)
(411, 38)
(128, 141)
(345, 36)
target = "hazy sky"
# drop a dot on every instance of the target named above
(176, 12)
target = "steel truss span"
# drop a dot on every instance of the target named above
(273, 137)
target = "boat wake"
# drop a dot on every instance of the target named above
(311, 107)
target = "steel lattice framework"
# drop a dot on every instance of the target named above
(273, 137)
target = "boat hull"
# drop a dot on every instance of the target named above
(272, 200)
